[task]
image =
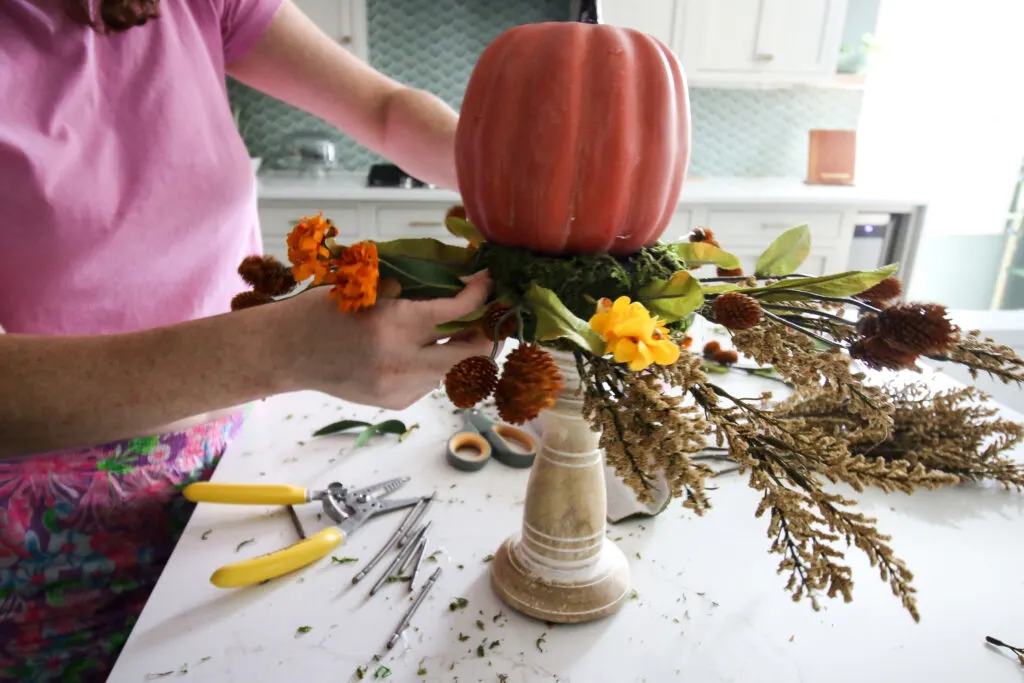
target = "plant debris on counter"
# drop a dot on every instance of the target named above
(244, 543)
(343, 560)
(206, 534)
(463, 637)
(368, 430)
(381, 672)
(480, 624)
(303, 629)
(541, 641)
(488, 558)
(458, 603)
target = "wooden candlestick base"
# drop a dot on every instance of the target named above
(560, 567)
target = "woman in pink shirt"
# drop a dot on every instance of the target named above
(127, 204)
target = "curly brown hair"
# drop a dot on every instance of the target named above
(113, 15)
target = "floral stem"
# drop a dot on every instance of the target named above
(821, 297)
(803, 330)
(741, 278)
(822, 314)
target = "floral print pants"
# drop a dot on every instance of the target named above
(84, 535)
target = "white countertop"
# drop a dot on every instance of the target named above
(709, 608)
(696, 191)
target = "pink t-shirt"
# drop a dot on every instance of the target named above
(127, 198)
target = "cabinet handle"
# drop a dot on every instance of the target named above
(764, 57)
(424, 224)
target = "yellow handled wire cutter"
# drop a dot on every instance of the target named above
(348, 508)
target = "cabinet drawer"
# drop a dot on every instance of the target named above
(412, 221)
(678, 227)
(761, 227)
(279, 220)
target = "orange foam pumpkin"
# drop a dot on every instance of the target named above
(573, 138)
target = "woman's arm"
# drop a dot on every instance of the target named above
(298, 63)
(68, 391)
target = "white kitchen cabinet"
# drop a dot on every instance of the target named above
(740, 43)
(759, 40)
(342, 20)
(654, 17)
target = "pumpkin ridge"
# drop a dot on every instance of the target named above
(674, 185)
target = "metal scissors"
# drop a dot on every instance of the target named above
(470, 449)
(348, 508)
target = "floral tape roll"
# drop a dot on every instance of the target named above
(468, 451)
(520, 449)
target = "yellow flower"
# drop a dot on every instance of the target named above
(632, 335)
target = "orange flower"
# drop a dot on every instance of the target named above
(306, 249)
(355, 276)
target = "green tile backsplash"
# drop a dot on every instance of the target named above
(434, 45)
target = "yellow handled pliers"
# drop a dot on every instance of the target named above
(348, 508)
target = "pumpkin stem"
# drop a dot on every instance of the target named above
(590, 12)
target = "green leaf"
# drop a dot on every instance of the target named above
(340, 426)
(672, 299)
(555, 321)
(839, 284)
(50, 520)
(387, 427)
(702, 253)
(786, 253)
(460, 227)
(459, 259)
(421, 279)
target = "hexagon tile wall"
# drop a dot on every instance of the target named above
(434, 45)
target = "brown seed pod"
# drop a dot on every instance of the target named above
(729, 272)
(495, 312)
(726, 356)
(703, 235)
(529, 383)
(267, 275)
(876, 354)
(471, 381)
(248, 300)
(711, 348)
(921, 329)
(885, 291)
(737, 311)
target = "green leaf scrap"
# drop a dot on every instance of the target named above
(702, 253)
(786, 253)
(555, 321)
(304, 629)
(381, 672)
(340, 426)
(343, 560)
(387, 427)
(458, 603)
(672, 299)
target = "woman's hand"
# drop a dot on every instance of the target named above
(386, 356)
